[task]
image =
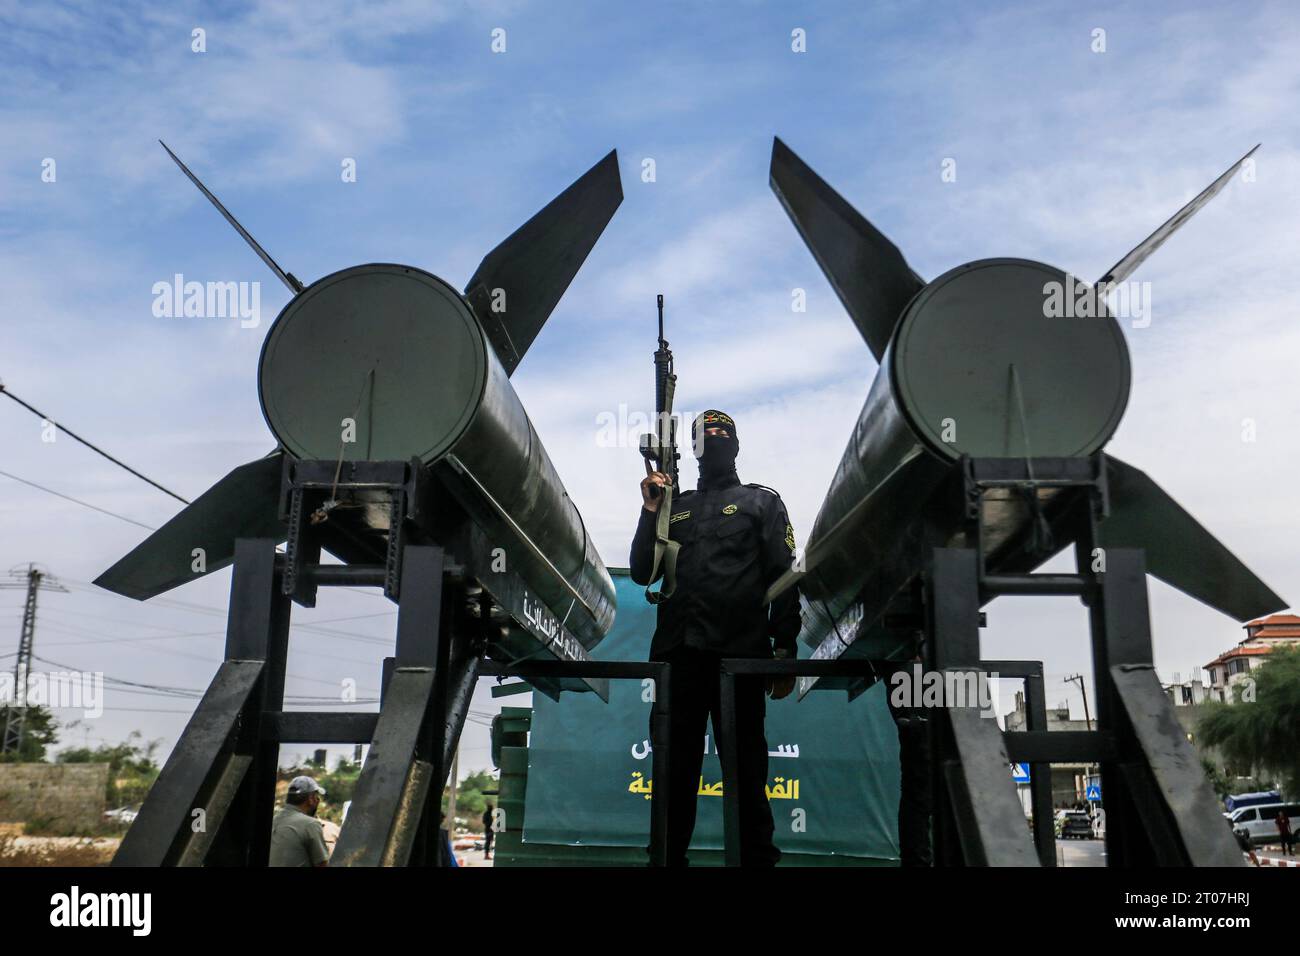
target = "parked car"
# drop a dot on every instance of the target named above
(1258, 821)
(121, 815)
(1236, 801)
(1073, 825)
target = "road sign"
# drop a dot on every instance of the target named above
(1093, 793)
(1020, 772)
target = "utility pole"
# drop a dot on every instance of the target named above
(33, 579)
(1078, 679)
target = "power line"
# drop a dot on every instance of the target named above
(97, 641)
(78, 501)
(173, 634)
(98, 638)
(90, 588)
(93, 447)
(172, 603)
(117, 620)
(118, 680)
(172, 651)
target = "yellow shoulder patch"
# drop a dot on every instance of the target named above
(789, 537)
(729, 510)
(681, 515)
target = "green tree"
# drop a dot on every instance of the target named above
(470, 798)
(1260, 731)
(1217, 780)
(132, 768)
(40, 734)
(339, 784)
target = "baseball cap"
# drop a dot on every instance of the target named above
(304, 785)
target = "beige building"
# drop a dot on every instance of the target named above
(1187, 692)
(1233, 668)
(1226, 677)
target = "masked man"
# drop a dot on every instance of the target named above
(735, 540)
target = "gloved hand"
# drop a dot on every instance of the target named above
(779, 687)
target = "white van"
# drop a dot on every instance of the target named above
(1258, 821)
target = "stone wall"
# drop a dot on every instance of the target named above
(63, 796)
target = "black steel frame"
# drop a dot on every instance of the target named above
(1020, 749)
(731, 668)
(1160, 809)
(213, 801)
(660, 753)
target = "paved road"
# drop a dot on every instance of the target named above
(1080, 853)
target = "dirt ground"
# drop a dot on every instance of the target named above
(56, 851)
(18, 849)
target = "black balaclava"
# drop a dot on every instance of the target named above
(716, 454)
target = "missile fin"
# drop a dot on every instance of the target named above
(866, 270)
(288, 278)
(1179, 551)
(1136, 256)
(244, 504)
(534, 266)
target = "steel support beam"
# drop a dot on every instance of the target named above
(388, 802)
(986, 814)
(397, 800)
(1185, 799)
(978, 819)
(203, 755)
(314, 727)
(1020, 748)
(213, 800)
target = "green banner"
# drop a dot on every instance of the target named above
(832, 767)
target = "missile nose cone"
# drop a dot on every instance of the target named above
(385, 362)
(1005, 358)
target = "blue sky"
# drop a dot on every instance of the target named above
(1062, 154)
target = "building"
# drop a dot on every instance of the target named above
(1232, 669)
(1227, 679)
(1187, 692)
(1069, 780)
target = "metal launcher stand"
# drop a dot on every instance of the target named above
(1160, 809)
(214, 800)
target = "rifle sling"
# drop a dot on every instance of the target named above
(665, 552)
(665, 548)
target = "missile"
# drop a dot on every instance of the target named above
(390, 363)
(981, 362)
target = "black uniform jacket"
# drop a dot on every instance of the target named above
(735, 541)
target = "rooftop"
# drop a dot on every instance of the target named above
(1274, 620)
(1239, 651)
